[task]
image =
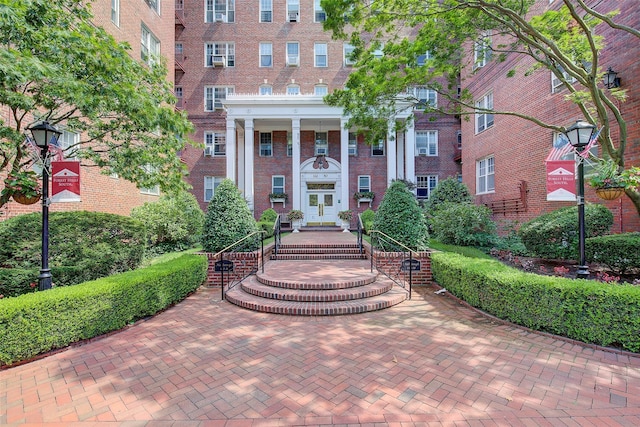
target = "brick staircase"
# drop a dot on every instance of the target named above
(317, 279)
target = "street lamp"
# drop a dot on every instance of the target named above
(579, 135)
(43, 135)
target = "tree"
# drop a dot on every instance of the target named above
(567, 41)
(55, 65)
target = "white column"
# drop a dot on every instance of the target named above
(391, 153)
(410, 153)
(401, 171)
(344, 160)
(230, 150)
(295, 163)
(240, 133)
(248, 162)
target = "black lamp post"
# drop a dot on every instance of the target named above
(43, 135)
(579, 135)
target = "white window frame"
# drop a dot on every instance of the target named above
(425, 185)
(213, 96)
(293, 90)
(353, 144)
(321, 143)
(378, 149)
(320, 90)
(484, 121)
(219, 11)
(210, 185)
(152, 191)
(422, 59)
(293, 10)
(347, 52)
(289, 145)
(155, 5)
(482, 51)
(266, 144)
(266, 90)
(425, 97)
(149, 46)
(485, 175)
(215, 144)
(556, 84)
(266, 10)
(266, 55)
(364, 188)
(320, 51)
(293, 54)
(67, 142)
(214, 51)
(115, 12)
(427, 143)
(319, 15)
(275, 188)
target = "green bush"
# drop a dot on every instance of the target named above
(400, 218)
(619, 252)
(584, 310)
(269, 215)
(35, 323)
(229, 220)
(449, 190)
(173, 223)
(555, 235)
(464, 224)
(267, 227)
(367, 218)
(82, 246)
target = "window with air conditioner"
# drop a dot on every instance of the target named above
(219, 11)
(214, 144)
(219, 55)
(214, 95)
(427, 143)
(377, 148)
(293, 10)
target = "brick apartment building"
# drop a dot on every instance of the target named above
(144, 25)
(252, 76)
(503, 158)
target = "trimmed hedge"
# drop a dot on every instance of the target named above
(39, 322)
(619, 252)
(584, 310)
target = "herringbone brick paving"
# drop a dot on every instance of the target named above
(427, 361)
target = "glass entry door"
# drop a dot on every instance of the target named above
(321, 208)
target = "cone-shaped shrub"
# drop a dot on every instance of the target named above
(400, 217)
(229, 220)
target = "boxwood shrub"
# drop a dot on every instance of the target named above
(619, 252)
(42, 321)
(584, 310)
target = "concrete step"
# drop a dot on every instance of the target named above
(326, 256)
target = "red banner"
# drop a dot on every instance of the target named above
(561, 181)
(65, 182)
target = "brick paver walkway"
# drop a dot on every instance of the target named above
(428, 361)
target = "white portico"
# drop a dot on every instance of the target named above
(319, 182)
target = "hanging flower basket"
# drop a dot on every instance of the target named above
(24, 199)
(609, 193)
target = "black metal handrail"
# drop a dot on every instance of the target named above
(277, 235)
(260, 263)
(360, 229)
(399, 277)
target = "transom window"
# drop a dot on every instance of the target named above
(266, 55)
(485, 173)
(321, 144)
(364, 183)
(427, 143)
(215, 144)
(266, 10)
(150, 47)
(214, 95)
(484, 120)
(266, 144)
(210, 185)
(220, 54)
(320, 53)
(425, 185)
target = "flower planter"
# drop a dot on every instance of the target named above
(25, 200)
(610, 193)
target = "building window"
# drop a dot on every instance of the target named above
(178, 93)
(459, 139)
(289, 145)
(266, 89)
(115, 12)
(425, 185)
(266, 144)
(220, 54)
(347, 53)
(293, 10)
(219, 11)
(485, 175)
(179, 4)
(427, 143)
(266, 10)
(320, 90)
(215, 144)
(482, 51)
(422, 59)
(321, 144)
(319, 14)
(277, 184)
(364, 183)
(484, 120)
(154, 190)
(266, 56)
(155, 5)
(320, 54)
(556, 84)
(377, 148)
(293, 90)
(210, 185)
(353, 144)
(68, 143)
(179, 48)
(293, 54)
(425, 97)
(213, 96)
(150, 47)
